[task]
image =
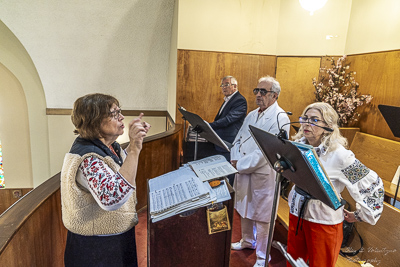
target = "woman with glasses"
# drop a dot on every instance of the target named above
(98, 185)
(317, 235)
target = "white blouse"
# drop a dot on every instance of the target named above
(344, 170)
(110, 189)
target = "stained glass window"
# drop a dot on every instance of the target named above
(2, 185)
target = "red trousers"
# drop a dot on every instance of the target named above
(317, 243)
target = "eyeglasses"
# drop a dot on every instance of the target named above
(116, 113)
(262, 91)
(311, 120)
(225, 85)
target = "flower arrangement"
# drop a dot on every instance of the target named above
(340, 91)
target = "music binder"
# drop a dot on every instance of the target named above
(318, 170)
(306, 170)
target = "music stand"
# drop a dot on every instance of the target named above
(203, 129)
(286, 159)
(295, 263)
(391, 114)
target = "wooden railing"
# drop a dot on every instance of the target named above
(31, 230)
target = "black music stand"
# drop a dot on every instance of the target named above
(203, 129)
(391, 115)
(286, 159)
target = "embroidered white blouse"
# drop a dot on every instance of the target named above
(344, 170)
(110, 190)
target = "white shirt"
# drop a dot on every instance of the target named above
(255, 182)
(344, 170)
(226, 98)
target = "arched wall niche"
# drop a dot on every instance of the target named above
(14, 132)
(16, 61)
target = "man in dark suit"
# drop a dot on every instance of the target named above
(230, 116)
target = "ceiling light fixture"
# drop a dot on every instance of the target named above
(312, 5)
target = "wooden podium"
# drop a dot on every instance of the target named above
(184, 241)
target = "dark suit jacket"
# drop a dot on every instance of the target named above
(228, 123)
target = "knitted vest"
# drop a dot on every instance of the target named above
(80, 212)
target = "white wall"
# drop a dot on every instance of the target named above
(14, 132)
(61, 50)
(262, 27)
(79, 47)
(61, 136)
(303, 35)
(284, 28)
(374, 26)
(173, 62)
(229, 25)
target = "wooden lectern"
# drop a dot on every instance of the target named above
(184, 241)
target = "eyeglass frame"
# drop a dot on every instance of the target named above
(116, 114)
(226, 85)
(262, 91)
(305, 119)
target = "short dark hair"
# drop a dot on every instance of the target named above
(88, 113)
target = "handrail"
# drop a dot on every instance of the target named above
(15, 216)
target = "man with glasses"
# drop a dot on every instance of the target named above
(255, 182)
(230, 116)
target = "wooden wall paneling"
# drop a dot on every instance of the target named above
(50, 242)
(58, 231)
(158, 156)
(295, 75)
(19, 247)
(151, 164)
(197, 84)
(381, 241)
(7, 197)
(199, 75)
(264, 65)
(172, 154)
(326, 63)
(349, 133)
(39, 248)
(378, 75)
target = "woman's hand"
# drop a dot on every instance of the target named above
(349, 216)
(137, 131)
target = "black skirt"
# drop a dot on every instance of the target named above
(116, 250)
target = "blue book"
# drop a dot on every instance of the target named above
(319, 172)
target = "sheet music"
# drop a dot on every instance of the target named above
(181, 190)
(207, 161)
(173, 188)
(221, 192)
(212, 167)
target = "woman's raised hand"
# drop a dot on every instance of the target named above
(137, 131)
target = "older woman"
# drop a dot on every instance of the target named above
(319, 237)
(98, 185)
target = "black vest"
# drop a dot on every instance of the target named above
(83, 146)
